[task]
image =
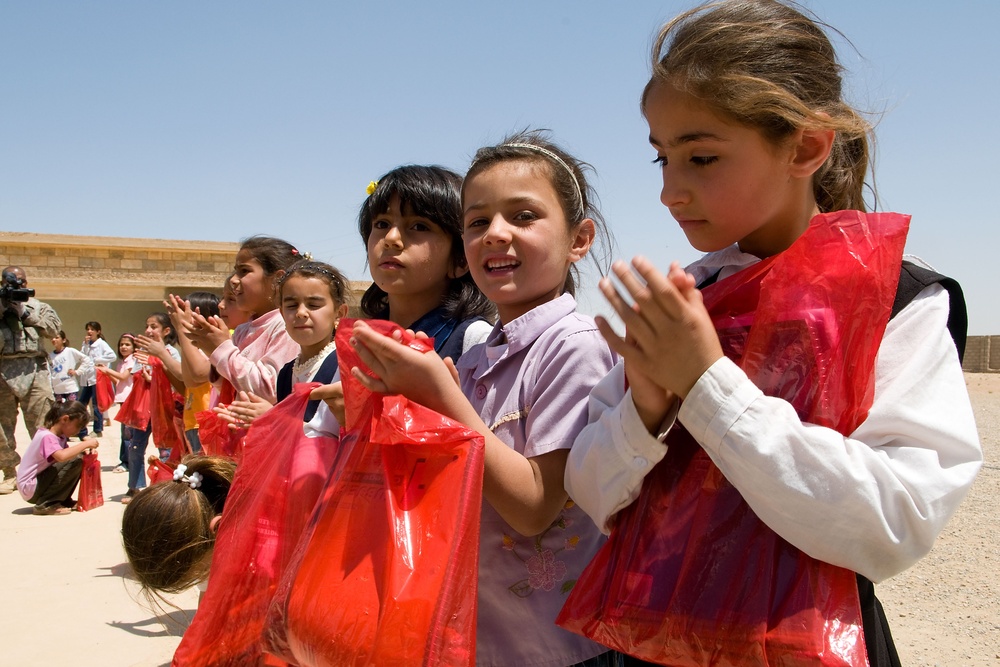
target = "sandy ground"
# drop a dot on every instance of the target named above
(70, 600)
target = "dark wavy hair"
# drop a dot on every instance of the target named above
(431, 192)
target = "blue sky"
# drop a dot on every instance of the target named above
(215, 121)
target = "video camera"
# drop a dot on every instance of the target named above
(11, 289)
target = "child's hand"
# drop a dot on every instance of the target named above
(671, 336)
(652, 402)
(399, 369)
(242, 412)
(181, 315)
(208, 333)
(333, 396)
(72, 371)
(153, 346)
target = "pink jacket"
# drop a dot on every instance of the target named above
(257, 351)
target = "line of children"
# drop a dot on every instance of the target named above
(101, 354)
(64, 365)
(528, 219)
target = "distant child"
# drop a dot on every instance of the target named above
(411, 224)
(528, 219)
(313, 299)
(101, 354)
(195, 366)
(251, 359)
(229, 311)
(157, 341)
(754, 142)
(168, 531)
(123, 375)
(64, 364)
(51, 468)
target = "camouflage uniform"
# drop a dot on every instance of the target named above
(24, 373)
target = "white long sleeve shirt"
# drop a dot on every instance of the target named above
(873, 502)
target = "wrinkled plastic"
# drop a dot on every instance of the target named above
(163, 413)
(134, 411)
(690, 576)
(269, 504)
(159, 471)
(389, 574)
(105, 390)
(217, 438)
(91, 491)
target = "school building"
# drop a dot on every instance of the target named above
(117, 281)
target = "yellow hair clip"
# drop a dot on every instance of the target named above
(371, 188)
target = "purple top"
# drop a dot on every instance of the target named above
(530, 382)
(36, 459)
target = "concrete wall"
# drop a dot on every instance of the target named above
(982, 354)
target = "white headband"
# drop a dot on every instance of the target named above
(558, 160)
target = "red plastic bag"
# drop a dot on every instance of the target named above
(105, 392)
(158, 471)
(269, 504)
(388, 574)
(690, 576)
(134, 411)
(91, 492)
(162, 412)
(217, 438)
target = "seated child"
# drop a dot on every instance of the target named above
(51, 468)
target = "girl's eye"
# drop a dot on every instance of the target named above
(421, 227)
(660, 161)
(380, 224)
(525, 216)
(476, 222)
(703, 160)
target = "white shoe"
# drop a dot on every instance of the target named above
(8, 486)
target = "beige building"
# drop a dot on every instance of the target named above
(117, 281)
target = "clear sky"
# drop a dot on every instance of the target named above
(218, 120)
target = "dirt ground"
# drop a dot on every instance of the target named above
(68, 598)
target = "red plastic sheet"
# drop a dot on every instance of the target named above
(105, 392)
(389, 573)
(158, 471)
(163, 413)
(217, 439)
(690, 576)
(91, 491)
(276, 487)
(134, 411)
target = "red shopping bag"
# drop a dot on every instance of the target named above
(217, 438)
(388, 573)
(272, 497)
(158, 471)
(690, 576)
(91, 492)
(105, 392)
(134, 411)
(163, 401)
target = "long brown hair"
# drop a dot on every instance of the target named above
(767, 65)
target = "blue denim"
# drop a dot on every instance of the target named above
(137, 458)
(192, 437)
(123, 452)
(89, 395)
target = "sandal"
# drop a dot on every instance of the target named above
(51, 510)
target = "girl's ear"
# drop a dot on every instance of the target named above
(213, 525)
(341, 314)
(811, 149)
(583, 238)
(457, 270)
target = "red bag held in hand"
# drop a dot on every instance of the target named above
(91, 492)
(276, 487)
(105, 392)
(134, 411)
(690, 576)
(217, 439)
(158, 471)
(389, 571)
(162, 410)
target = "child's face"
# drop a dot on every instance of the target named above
(154, 329)
(252, 288)
(91, 335)
(310, 313)
(724, 183)
(125, 347)
(517, 240)
(58, 342)
(410, 255)
(231, 313)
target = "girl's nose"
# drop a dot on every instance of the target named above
(498, 232)
(393, 238)
(674, 192)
